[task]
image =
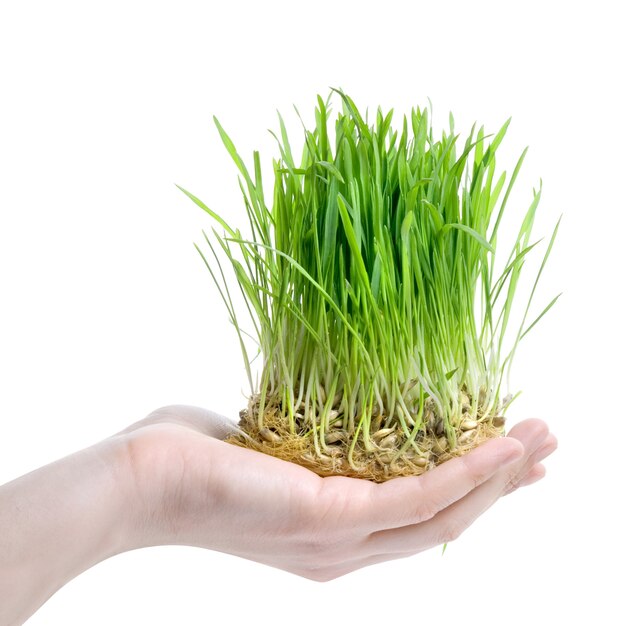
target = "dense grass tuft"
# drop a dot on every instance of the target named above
(371, 278)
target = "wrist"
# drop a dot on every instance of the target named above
(125, 513)
(59, 521)
(149, 470)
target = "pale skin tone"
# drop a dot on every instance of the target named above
(170, 479)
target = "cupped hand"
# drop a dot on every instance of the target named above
(192, 488)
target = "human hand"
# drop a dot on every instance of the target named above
(192, 488)
(170, 479)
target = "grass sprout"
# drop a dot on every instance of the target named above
(370, 281)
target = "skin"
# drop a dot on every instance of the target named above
(170, 479)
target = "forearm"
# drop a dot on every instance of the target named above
(58, 521)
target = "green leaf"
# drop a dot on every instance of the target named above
(332, 169)
(213, 214)
(547, 308)
(470, 231)
(435, 214)
(378, 261)
(451, 373)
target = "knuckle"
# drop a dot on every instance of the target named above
(512, 481)
(427, 510)
(452, 530)
(425, 506)
(476, 478)
(512, 484)
(333, 507)
(165, 408)
(163, 411)
(323, 574)
(321, 551)
(315, 545)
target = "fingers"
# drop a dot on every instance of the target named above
(527, 426)
(203, 420)
(534, 475)
(533, 470)
(448, 524)
(411, 500)
(336, 570)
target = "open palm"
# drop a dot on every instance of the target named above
(195, 489)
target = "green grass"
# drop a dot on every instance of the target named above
(370, 278)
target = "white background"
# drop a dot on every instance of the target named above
(106, 311)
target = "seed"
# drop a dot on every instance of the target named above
(440, 445)
(379, 434)
(334, 436)
(465, 401)
(439, 427)
(269, 435)
(498, 422)
(468, 424)
(389, 441)
(466, 436)
(333, 414)
(421, 461)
